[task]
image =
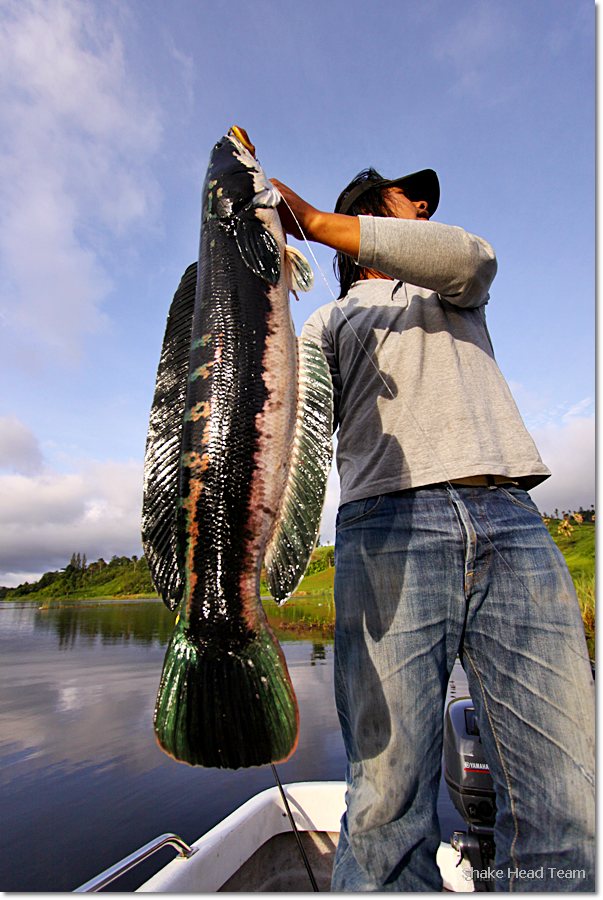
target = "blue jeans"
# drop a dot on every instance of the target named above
(421, 576)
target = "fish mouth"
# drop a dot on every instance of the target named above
(266, 196)
(242, 137)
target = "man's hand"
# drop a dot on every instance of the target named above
(342, 233)
(303, 212)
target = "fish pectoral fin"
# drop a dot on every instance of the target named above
(298, 271)
(298, 520)
(258, 248)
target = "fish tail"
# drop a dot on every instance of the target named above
(225, 708)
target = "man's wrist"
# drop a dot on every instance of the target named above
(314, 224)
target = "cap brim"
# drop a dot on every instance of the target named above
(423, 185)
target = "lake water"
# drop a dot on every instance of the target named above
(82, 781)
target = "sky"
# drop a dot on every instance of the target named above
(108, 112)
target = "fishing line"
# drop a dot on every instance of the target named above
(478, 528)
(295, 831)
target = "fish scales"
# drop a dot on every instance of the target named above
(225, 697)
(228, 439)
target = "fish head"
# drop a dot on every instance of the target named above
(240, 198)
(235, 182)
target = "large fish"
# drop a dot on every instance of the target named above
(237, 457)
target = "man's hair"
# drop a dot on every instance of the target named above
(371, 202)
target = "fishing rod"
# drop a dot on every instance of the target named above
(300, 846)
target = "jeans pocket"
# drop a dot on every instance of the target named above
(520, 498)
(356, 511)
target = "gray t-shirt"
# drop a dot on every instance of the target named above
(419, 398)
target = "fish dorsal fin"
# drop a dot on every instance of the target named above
(300, 276)
(162, 455)
(298, 520)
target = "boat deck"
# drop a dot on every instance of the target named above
(277, 867)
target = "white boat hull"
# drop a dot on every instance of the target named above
(236, 850)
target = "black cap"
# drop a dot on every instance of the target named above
(423, 185)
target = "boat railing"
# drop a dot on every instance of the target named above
(128, 862)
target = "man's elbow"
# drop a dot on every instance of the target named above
(479, 278)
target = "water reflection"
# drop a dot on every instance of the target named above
(80, 773)
(149, 621)
(142, 622)
(319, 652)
(81, 776)
(301, 617)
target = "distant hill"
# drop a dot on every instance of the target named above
(120, 577)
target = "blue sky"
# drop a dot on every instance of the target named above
(108, 114)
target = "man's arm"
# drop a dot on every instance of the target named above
(342, 233)
(457, 265)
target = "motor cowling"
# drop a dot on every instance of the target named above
(471, 788)
(466, 771)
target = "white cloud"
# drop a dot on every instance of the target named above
(77, 137)
(564, 432)
(19, 448)
(186, 66)
(540, 409)
(568, 449)
(579, 408)
(46, 517)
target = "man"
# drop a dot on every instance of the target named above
(440, 551)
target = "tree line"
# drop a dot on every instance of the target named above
(121, 575)
(124, 574)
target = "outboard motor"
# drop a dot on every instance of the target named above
(471, 789)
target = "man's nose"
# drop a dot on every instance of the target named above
(422, 206)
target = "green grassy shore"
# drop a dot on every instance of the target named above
(578, 548)
(311, 608)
